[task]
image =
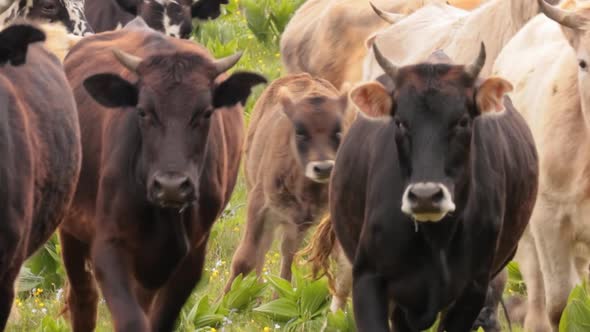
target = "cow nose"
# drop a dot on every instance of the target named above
(319, 171)
(424, 197)
(172, 189)
(427, 201)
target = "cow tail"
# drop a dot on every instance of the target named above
(319, 249)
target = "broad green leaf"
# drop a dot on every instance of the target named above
(282, 309)
(282, 286)
(208, 320)
(576, 316)
(314, 297)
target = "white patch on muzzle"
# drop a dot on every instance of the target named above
(446, 205)
(172, 30)
(311, 173)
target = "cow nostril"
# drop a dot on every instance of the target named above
(185, 186)
(412, 197)
(438, 196)
(156, 185)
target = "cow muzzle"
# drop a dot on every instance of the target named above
(172, 190)
(319, 171)
(427, 201)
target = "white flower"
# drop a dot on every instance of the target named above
(34, 310)
(44, 311)
(277, 326)
(59, 294)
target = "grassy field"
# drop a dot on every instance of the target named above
(253, 26)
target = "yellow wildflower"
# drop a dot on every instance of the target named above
(266, 329)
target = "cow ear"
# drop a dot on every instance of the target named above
(14, 43)
(207, 9)
(490, 95)
(286, 100)
(111, 90)
(129, 6)
(372, 99)
(236, 89)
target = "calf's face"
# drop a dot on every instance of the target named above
(432, 108)
(69, 12)
(173, 102)
(316, 131)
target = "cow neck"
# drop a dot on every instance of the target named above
(494, 23)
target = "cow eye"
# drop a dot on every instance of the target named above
(49, 8)
(400, 124)
(338, 135)
(463, 123)
(207, 114)
(142, 113)
(583, 65)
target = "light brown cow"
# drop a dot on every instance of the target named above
(548, 66)
(291, 145)
(326, 37)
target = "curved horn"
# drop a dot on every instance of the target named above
(223, 64)
(390, 18)
(388, 67)
(566, 18)
(127, 60)
(475, 68)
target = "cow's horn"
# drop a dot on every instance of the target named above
(388, 67)
(390, 18)
(223, 64)
(566, 18)
(475, 68)
(129, 61)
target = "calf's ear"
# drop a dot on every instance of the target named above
(236, 89)
(111, 90)
(372, 99)
(286, 99)
(490, 95)
(207, 9)
(14, 43)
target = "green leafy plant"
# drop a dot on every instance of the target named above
(340, 321)
(576, 316)
(300, 304)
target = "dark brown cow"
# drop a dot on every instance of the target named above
(173, 17)
(295, 131)
(429, 200)
(40, 149)
(158, 170)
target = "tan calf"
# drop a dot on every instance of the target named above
(291, 145)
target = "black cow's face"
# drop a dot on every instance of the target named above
(173, 17)
(69, 12)
(317, 131)
(433, 107)
(174, 102)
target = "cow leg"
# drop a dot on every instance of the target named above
(111, 268)
(370, 303)
(343, 280)
(255, 243)
(461, 316)
(173, 295)
(536, 319)
(488, 317)
(292, 238)
(81, 295)
(553, 239)
(7, 292)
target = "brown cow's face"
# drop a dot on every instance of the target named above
(432, 109)
(317, 131)
(174, 103)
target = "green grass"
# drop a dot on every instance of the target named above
(252, 26)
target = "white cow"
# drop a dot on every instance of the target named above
(457, 32)
(548, 65)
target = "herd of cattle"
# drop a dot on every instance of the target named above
(432, 141)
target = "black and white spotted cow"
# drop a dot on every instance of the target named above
(68, 12)
(173, 17)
